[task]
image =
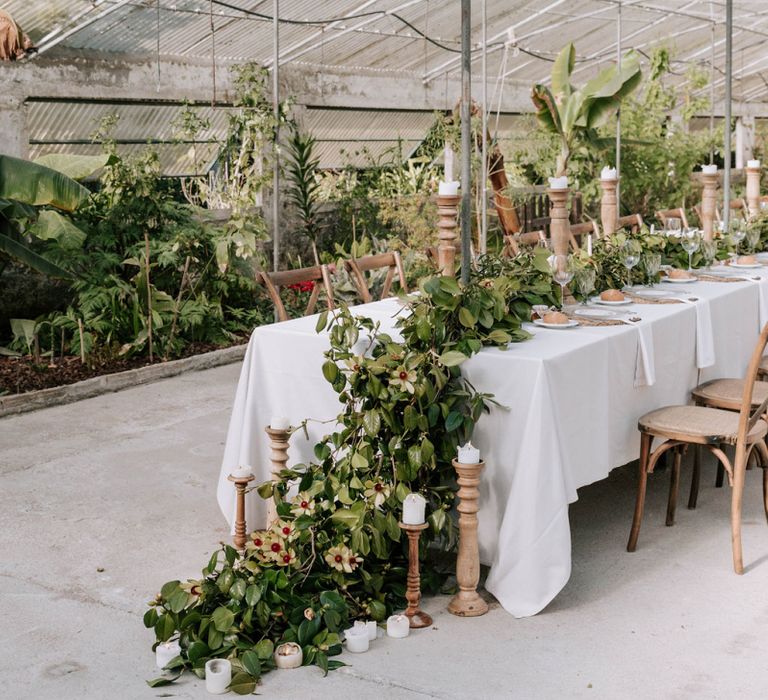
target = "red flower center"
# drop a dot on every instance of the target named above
(337, 558)
(286, 530)
(403, 375)
(304, 504)
(378, 487)
(275, 547)
(356, 368)
(258, 542)
(287, 558)
(352, 560)
(195, 590)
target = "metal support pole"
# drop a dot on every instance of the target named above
(484, 149)
(276, 149)
(466, 140)
(712, 97)
(618, 112)
(727, 137)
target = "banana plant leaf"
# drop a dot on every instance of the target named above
(562, 69)
(51, 225)
(75, 166)
(37, 185)
(24, 254)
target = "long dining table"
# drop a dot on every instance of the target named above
(569, 403)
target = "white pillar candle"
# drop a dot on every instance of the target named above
(753, 163)
(357, 639)
(373, 629)
(165, 652)
(448, 189)
(469, 454)
(414, 507)
(589, 244)
(241, 473)
(280, 423)
(608, 173)
(558, 183)
(288, 655)
(448, 163)
(709, 169)
(218, 675)
(653, 228)
(398, 626)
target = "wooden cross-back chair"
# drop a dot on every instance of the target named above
(712, 429)
(738, 206)
(579, 231)
(664, 215)
(631, 221)
(318, 275)
(357, 267)
(512, 244)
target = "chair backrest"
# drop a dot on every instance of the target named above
(578, 231)
(317, 277)
(529, 238)
(664, 214)
(357, 267)
(736, 205)
(747, 415)
(633, 221)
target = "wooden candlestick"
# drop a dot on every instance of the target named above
(559, 226)
(467, 602)
(241, 482)
(416, 616)
(447, 209)
(609, 212)
(753, 191)
(709, 204)
(278, 456)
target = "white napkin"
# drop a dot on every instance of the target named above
(705, 339)
(762, 295)
(645, 366)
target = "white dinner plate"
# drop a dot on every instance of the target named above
(623, 302)
(595, 313)
(559, 326)
(686, 280)
(748, 266)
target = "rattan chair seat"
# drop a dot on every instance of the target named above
(727, 393)
(698, 424)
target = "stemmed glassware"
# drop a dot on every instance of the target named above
(562, 268)
(708, 252)
(752, 238)
(738, 232)
(691, 240)
(652, 264)
(674, 225)
(631, 256)
(585, 281)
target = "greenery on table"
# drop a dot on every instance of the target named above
(337, 553)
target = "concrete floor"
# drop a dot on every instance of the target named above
(104, 500)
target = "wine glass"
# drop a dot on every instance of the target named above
(562, 268)
(753, 238)
(630, 258)
(674, 225)
(691, 240)
(708, 252)
(738, 232)
(652, 264)
(585, 281)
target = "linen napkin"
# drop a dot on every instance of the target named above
(705, 339)
(762, 295)
(645, 366)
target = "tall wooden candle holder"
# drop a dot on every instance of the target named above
(447, 209)
(753, 191)
(609, 210)
(467, 602)
(278, 456)
(709, 204)
(241, 482)
(559, 226)
(416, 616)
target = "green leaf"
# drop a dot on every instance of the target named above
(500, 337)
(162, 680)
(358, 461)
(466, 318)
(452, 358)
(414, 456)
(330, 370)
(30, 258)
(252, 594)
(378, 610)
(165, 627)
(211, 564)
(453, 421)
(242, 684)
(322, 322)
(265, 648)
(347, 517)
(150, 618)
(372, 422)
(266, 489)
(437, 520)
(222, 619)
(178, 601)
(562, 69)
(251, 663)
(75, 166)
(238, 589)
(35, 184)
(52, 226)
(322, 661)
(197, 650)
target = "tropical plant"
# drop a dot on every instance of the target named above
(302, 170)
(574, 113)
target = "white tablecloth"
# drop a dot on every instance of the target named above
(571, 413)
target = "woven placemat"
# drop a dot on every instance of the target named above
(647, 300)
(718, 278)
(595, 321)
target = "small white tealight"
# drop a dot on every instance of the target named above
(448, 189)
(241, 473)
(709, 169)
(218, 675)
(357, 639)
(414, 508)
(288, 655)
(166, 652)
(608, 173)
(753, 163)
(398, 626)
(469, 454)
(280, 423)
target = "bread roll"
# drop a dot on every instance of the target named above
(679, 274)
(611, 295)
(555, 317)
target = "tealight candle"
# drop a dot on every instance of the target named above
(448, 189)
(280, 423)
(608, 173)
(218, 675)
(241, 473)
(166, 652)
(357, 639)
(469, 454)
(288, 655)
(558, 183)
(753, 163)
(709, 169)
(414, 507)
(398, 626)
